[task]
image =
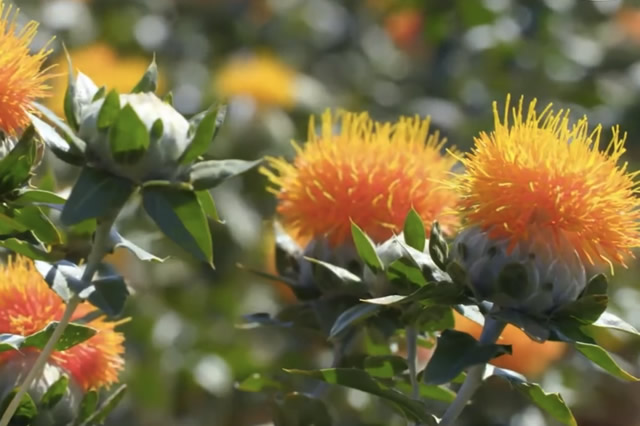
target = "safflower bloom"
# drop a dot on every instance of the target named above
(105, 67)
(27, 305)
(369, 172)
(539, 192)
(528, 357)
(261, 77)
(22, 79)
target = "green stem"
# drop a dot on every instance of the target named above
(490, 333)
(101, 246)
(412, 358)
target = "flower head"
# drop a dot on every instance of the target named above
(369, 172)
(261, 77)
(21, 78)
(541, 175)
(27, 305)
(104, 66)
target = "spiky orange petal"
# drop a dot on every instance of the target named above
(541, 172)
(27, 305)
(369, 172)
(22, 78)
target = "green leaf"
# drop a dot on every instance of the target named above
(437, 393)
(157, 129)
(38, 223)
(208, 205)
(99, 93)
(55, 393)
(360, 380)
(109, 110)
(535, 328)
(405, 269)
(149, 80)
(438, 247)
(87, 406)
(100, 415)
(601, 358)
(414, 234)
(597, 285)
(71, 336)
(550, 403)
(586, 309)
(27, 196)
(353, 316)
(32, 251)
(26, 412)
(179, 215)
(343, 275)
(455, 352)
(297, 409)
(63, 277)
(168, 98)
(16, 166)
(433, 293)
(436, 318)
(95, 194)
(366, 249)
(203, 126)
(86, 90)
(10, 342)
(385, 366)
(109, 294)
(257, 383)
(211, 173)
(610, 321)
(128, 137)
(119, 241)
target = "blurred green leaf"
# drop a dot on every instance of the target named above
(71, 103)
(63, 277)
(180, 217)
(87, 406)
(610, 321)
(38, 223)
(405, 269)
(352, 316)
(366, 248)
(202, 129)
(414, 233)
(385, 366)
(211, 173)
(119, 241)
(128, 137)
(437, 393)
(360, 380)
(60, 147)
(16, 166)
(10, 342)
(55, 393)
(109, 294)
(100, 415)
(208, 204)
(71, 336)
(77, 145)
(28, 196)
(601, 358)
(95, 194)
(297, 409)
(26, 412)
(345, 276)
(32, 251)
(455, 352)
(257, 383)
(438, 247)
(433, 293)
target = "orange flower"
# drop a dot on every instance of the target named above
(404, 26)
(369, 172)
(540, 175)
(528, 357)
(21, 78)
(27, 305)
(261, 77)
(103, 65)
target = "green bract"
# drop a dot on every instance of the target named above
(138, 142)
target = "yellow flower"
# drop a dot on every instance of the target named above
(262, 77)
(21, 78)
(103, 65)
(369, 172)
(541, 174)
(27, 305)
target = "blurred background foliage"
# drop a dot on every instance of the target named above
(278, 61)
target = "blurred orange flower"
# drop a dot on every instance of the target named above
(404, 26)
(528, 357)
(21, 78)
(262, 77)
(368, 172)
(105, 67)
(27, 305)
(628, 20)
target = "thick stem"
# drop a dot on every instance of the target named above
(490, 333)
(101, 245)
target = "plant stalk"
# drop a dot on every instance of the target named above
(101, 246)
(412, 359)
(490, 333)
